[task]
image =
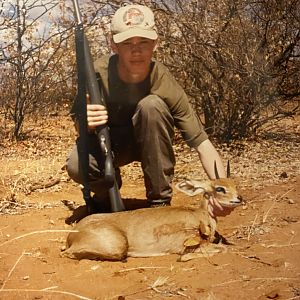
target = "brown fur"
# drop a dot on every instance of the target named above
(152, 231)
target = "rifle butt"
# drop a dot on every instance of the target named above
(115, 198)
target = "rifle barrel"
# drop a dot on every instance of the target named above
(90, 79)
(77, 12)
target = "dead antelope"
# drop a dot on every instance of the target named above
(154, 231)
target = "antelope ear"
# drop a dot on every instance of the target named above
(190, 187)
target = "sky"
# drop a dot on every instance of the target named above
(8, 7)
(35, 9)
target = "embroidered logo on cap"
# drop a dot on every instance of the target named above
(133, 17)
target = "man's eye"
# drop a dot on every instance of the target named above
(220, 189)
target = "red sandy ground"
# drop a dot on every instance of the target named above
(262, 263)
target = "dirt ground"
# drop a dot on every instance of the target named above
(37, 198)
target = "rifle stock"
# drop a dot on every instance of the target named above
(89, 80)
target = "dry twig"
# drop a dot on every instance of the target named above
(47, 290)
(141, 268)
(37, 232)
(11, 270)
(257, 279)
(251, 227)
(274, 201)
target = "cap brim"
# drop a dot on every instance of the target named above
(132, 32)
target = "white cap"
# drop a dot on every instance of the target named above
(133, 20)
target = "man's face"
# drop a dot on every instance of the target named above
(134, 58)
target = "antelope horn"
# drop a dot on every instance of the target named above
(228, 169)
(216, 171)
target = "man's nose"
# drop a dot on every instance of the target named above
(136, 47)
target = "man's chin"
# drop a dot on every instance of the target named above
(137, 76)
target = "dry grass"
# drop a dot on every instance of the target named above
(272, 158)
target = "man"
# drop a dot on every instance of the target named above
(143, 104)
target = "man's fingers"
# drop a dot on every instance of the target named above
(94, 121)
(95, 107)
(215, 203)
(211, 211)
(215, 209)
(96, 115)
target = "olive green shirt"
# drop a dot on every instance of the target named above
(164, 85)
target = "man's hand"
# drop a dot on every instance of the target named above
(96, 115)
(215, 209)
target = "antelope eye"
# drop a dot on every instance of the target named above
(220, 189)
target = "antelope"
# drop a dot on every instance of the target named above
(155, 231)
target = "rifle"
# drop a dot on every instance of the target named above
(87, 81)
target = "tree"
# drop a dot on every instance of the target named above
(238, 60)
(34, 58)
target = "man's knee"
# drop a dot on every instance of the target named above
(152, 110)
(152, 104)
(72, 165)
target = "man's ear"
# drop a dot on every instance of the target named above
(113, 45)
